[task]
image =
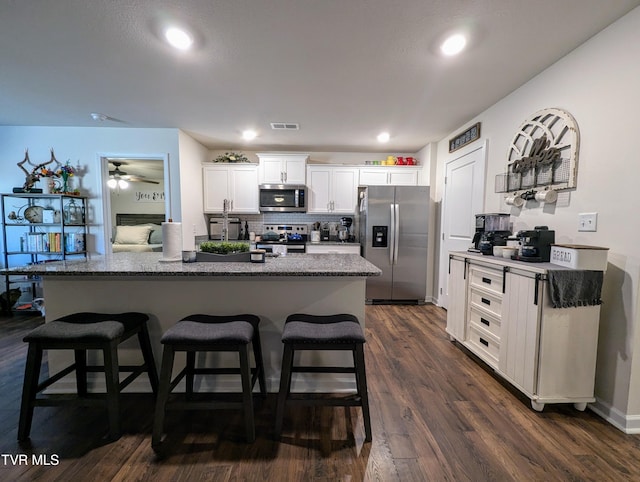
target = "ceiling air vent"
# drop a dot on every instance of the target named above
(287, 126)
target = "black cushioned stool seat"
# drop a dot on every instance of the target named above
(81, 332)
(209, 333)
(315, 332)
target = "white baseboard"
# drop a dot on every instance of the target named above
(629, 424)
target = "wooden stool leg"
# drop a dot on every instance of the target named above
(29, 390)
(111, 372)
(190, 375)
(257, 355)
(285, 386)
(164, 389)
(361, 382)
(147, 353)
(247, 396)
(81, 371)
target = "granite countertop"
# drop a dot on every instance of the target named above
(149, 264)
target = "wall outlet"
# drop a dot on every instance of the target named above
(588, 222)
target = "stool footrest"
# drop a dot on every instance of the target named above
(350, 401)
(52, 379)
(71, 400)
(302, 369)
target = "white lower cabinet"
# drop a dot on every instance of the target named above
(343, 248)
(500, 311)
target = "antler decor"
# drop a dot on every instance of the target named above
(34, 176)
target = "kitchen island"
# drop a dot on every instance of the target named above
(169, 291)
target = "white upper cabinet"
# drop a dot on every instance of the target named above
(332, 189)
(283, 168)
(389, 176)
(237, 183)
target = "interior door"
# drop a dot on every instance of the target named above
(463, 199)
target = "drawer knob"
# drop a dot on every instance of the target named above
(486, 301)
(485, 322)
(486, 280)
(484, 342)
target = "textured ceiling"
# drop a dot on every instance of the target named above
(343, 69)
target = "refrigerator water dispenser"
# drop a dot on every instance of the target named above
(380, 238)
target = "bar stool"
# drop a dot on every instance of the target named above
(208, 333)
(314, 332)
(81, 332)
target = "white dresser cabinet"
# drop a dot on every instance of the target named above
(500, 310)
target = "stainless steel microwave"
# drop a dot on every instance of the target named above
(283, 198)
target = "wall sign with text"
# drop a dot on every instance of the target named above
(464, 138)
(543, 153)
(149, 196)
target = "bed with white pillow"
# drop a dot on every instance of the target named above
(138, 233)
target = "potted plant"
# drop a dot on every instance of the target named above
(223, 252)
(231, 157)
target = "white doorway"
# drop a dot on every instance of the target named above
(145, 190)
(463, 198)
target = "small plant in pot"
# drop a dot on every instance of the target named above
(224, 251)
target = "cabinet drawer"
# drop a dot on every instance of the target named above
(484, 345)
(489, 323)
(487, 279)
(487, 302)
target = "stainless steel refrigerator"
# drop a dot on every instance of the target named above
(393, 227)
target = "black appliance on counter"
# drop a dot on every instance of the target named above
(536, 244)
(293, 236)
(492, 229)
(344, 231)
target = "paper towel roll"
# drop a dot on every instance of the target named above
(171, 242)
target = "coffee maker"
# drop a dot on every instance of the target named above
(536, 244)
(344, 232)
(492, 229)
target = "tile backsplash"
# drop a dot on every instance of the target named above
(257, 222)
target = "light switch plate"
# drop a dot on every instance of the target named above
(588, 222)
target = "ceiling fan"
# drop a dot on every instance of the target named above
(119, 175)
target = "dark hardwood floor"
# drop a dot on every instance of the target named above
(437, 414)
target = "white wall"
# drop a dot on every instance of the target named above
(598, 84)
(125, 201)
(192, 155)
(83, 145)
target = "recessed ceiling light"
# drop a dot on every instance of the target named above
(249, 135)
(97, 116)
(178, 38)
(453, 45)
(383, 137)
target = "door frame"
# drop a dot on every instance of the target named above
(105, 195)
(443, 275)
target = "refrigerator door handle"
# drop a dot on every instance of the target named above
(396, 234)
(392, 240)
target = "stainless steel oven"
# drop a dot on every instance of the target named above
(284, 198)
(293, 236)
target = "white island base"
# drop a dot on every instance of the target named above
(167, 299)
